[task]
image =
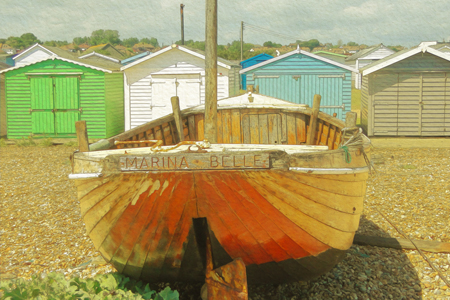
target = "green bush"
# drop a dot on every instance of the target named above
(107, 286)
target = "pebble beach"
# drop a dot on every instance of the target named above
(41, 229)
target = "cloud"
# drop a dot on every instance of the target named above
(370, 21)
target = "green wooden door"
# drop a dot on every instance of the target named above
(43, 121)
(54, 105)
(66, 105)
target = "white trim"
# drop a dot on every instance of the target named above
(168, 49)
(404, 56)
(85, 175)
(32, 47)
(100, 55)
(298, 51)
(127, 102)
(330, 170)
(59, 58)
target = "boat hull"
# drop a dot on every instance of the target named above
(289, 221)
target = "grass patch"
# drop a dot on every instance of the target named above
(26, 142)
(46, 142)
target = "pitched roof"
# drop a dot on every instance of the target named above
(259, 56)
(134, 58)
(105, 47)
(198, 53)
(399, 56)
(57, 53)
(366, 52)
(89, 55)
(331, 53)
(51, 50)
(298, 51)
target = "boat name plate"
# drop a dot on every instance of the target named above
(204, 161)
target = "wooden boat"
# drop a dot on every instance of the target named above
(289, 210)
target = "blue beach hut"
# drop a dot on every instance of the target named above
(250, 62)
(297, 75)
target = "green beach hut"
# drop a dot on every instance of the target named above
(46, 98)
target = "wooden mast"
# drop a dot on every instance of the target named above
(211, 72)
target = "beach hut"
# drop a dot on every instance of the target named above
(39, 52)
(45, 98)
(407, 94)
(250, 62)
(297, 75)
(152, 80)
(365, 57)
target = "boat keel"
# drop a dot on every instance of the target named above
(226, 282)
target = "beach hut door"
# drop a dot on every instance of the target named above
(54, 105)
(162, 90)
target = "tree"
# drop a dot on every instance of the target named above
(311, 44)
(269, 44)
(101, 36)
(29, 39)
(152, 41)
(80, 40)
(352, 44)
(15, 42)
(130, 42)
(54, 43)
(112, 37)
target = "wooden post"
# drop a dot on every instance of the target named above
(177, 117)
(350, 119)
(313, 120)
(211, 72)
(182, 23)
(82, 136)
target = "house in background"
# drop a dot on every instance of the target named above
(407, 94)
(152, 80)
(250, 62)
(7, 49)
(365, 57)
(142, 47)
(45, 98)
(105, 49)
(297, 75)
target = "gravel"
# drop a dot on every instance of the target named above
(41, 229)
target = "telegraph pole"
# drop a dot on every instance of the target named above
(242, 40)
(182, 23)
(211, 72)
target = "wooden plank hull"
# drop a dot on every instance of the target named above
(288, 210)
(285, 224)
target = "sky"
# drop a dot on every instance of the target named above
(370, 22)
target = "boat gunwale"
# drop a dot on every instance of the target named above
(283, 108)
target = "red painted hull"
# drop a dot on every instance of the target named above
(143, 223)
